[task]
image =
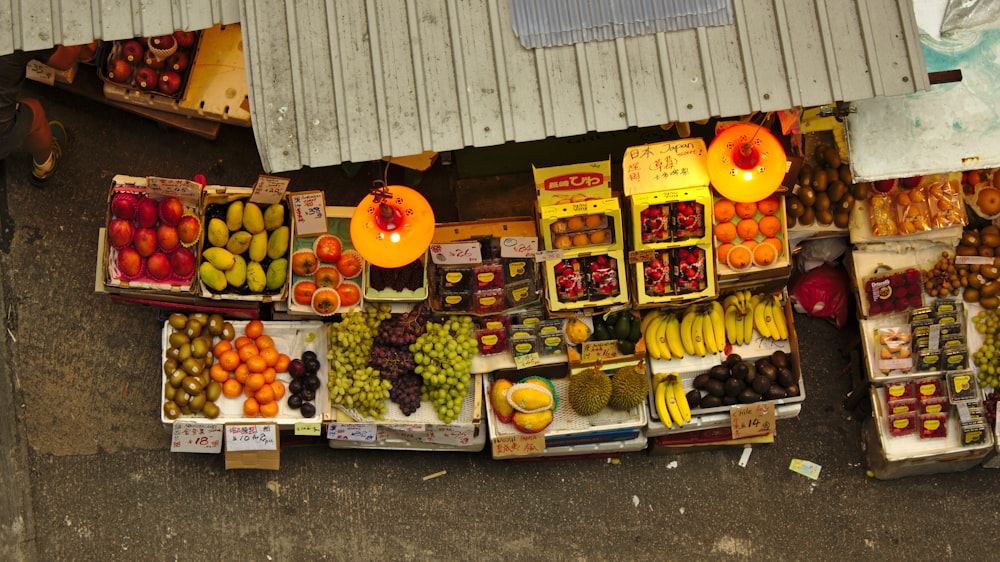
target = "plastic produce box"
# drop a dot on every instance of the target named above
(416, 271)
(582, 227)
(470, 416)
(326, 274)
(291, 338)
(137, 231)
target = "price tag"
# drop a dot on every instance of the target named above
(269, 189)
(406, 427)
(805, 468)
(640, 256)
(196, 438)
(518, 445)
(40, 72)
(309, 213)
(594, 350)
(187, 190)
(449, 435)
(456, 253)
(527, 360)
(973, 260)
(518, 246)
(549, 255)
(251, 437)
(752, 420)
(307, 428)
(364, 432)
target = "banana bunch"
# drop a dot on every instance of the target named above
(738, 314)
(670, 400)
(662, 333)
(698, 331)
(769, 317)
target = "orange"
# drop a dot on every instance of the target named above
(255, 381)
(221, 347)
(769, 205)
(265, 395)
(217, 373)
(747, 229)
(723, 251)
(263, 342)
(725, 232)
(724, 210)
(350, 295)
(269, 410)
(593, 221)
(231, 388)
(769, 225)
(269, 355)
(247, 392)
(278, 388)
(247, 351)
(562, 242)
(282, 364)
(254, 328)
(241, 373)
(764, 255)
(581, 239)
(776, 242)
(269, 375)
(749, 244)
(229, 360)
(598, 236)
(558, 227)
(256, 364)
(746, 210)
(241, 341)
(251, 408)
(575, 223)
(739, 257)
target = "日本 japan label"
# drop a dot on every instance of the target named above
(196, 438)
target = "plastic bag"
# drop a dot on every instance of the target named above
(823, 292)
(970, 15)
(814, 253)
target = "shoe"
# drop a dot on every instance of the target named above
(60, 140)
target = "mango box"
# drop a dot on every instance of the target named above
(572, 183)
(582, 228)
(115, 278)
(215, 203)
(586, 282)
(671, 218)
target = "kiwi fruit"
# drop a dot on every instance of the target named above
(822, 201)
(842, 219)
(970, 295)
(824, 217)
(845, 204)
(970, 238)
(989, 303)
(990, 239)
(808, 217)
(963, 250)
(836, 191)
(807, 195)
(820, 180)
(990, 289)
(791, 221)
(861, 190)
(805, 174)
(793, 206)
(832, 157)
(844, 173)
(819, 154)
(986, 251)
(989, 271)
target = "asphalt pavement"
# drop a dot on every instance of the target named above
(88, 474)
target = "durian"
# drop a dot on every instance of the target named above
(629, 387)
(589, 391)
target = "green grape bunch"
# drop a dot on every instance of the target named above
(353, 383)
(443, 357)
(986, 359)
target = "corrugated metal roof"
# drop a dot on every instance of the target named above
(356, 80)
(33, 24)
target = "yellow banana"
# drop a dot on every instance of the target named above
(718, 315)
(672, 332)
(708, 333)
(698, 335)
(769, 318)
(760, 319)
(731, 301)
(778, 314)
(661, 336)
(647, 319)
(672, 408)
(652, 343)
(730, 320)
(748, 324)
(660, 401)
(687, 337)
(682, 401)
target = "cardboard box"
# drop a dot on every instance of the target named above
(338, 220)
(117, 51)
(781, 266)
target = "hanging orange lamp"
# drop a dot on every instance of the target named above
(746, 163)
(392, 226)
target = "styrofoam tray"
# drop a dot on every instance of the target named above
(290, 338)
(427, 439)
(425, 414)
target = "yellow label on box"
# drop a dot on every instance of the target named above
(670, 164)
(559, 185)
(589, 207)
(490, 339)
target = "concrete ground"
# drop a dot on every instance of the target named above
(87, 474)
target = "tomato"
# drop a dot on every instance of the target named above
(328, 248)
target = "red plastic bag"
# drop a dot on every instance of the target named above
(823, 292)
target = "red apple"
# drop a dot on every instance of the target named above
(147, 213)
(170, 82)
(119, 70)
(146, 78)
(185, 39)
(178, 61)
(162, 42)
(123, 205)
(144, 241)
(158, 265)
(189, 229)
(129, 262)
(170, 210)
(120, 232)
(132, 51)
(182, 262)
(166, 237)
(150, 60)
(884, 186)
(912, 181)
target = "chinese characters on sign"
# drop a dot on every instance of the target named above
(251, 437)
(196, 438)
(364, 432)
(309, 213)
(665, 165)
(518, 445)
(269, 189)
(185, 190)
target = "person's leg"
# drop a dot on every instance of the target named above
(39, 141)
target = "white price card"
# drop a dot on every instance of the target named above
(548, 255)
(449, 435)
(454, 253)
(40, 73)
(186, 190)
(364, 432)
(269, 189)
(309, 213)
(251, 437)
(518, 246)
(196, 438)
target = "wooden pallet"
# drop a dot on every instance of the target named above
(217, 85)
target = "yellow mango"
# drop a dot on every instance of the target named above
(218, 233)
(212, 277)
(234, 216)
(253, 219)
(256, 278)
(237, 276)
(274, 216)
(258, 246)
(277, 243)
(498, 399)
(221, 258)
(532, 423)
(529, 397)
(239, 242)
(277, 271)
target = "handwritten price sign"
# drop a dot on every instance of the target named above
(456, 253)
(364, 432)
(261, 437)
(752, 420)
(196, 438)
(594, 350)
(518, 445)
(269, 189)
(157, 188)
(40, 73)
(309, 213)
(518, 246)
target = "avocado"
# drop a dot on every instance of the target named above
(694, 398)
(601, 333)
(709, 401)
(635, 329)
(720, 372)
(700, 381)
(733, 386)
(748, 396)
(715, 388)
(622, 327)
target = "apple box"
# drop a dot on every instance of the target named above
(150, 66)
(153, 235)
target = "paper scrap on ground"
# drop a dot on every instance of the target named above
(745, 457)
(672, 464)
(805, 468)
(435, 475)
(635, 501)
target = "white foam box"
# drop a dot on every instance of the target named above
(338, 223)
(469, 417)
(292, 339)
(420, 437)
